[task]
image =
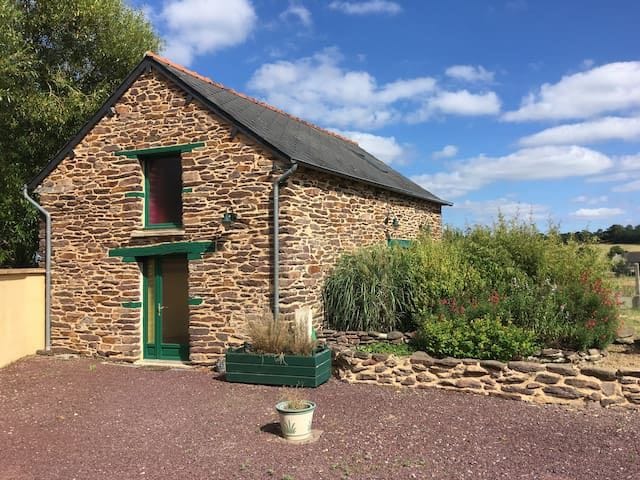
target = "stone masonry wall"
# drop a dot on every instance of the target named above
(526, 381)
(85, 195)
(324, 216)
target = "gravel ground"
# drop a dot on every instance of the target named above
(82, 419)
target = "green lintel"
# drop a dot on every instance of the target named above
(185, 147)
(134, 194)
(194, 250)
(132, 304)
(403, 243)
(195, 300)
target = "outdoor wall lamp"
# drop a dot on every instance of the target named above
(395, 223)
(229, 218)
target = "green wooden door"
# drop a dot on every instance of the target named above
(166, 307)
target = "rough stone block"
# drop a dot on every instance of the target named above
(600, 373)
(582, 383)
(468, 383)
(564, 370)
(560, 391)
(525, 367)
(548, 378)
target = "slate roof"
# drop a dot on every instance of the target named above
(632, 257)
(292, 137)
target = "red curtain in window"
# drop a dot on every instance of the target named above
(165, 190)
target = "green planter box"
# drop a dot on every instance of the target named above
(290, 370)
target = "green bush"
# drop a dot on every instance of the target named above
(401, 350)
(483, 338)
(557, 290)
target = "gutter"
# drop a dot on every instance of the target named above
(47, 285)
(276, 236)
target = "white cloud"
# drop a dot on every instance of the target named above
(622, 170)
(607, 88)
(485, 209)
(366, 7)
(597, 212)
(590, 200)
(300, 12)
(527, 164)
(633, 186)
(386, 149)
(592, 131)
(196, 27)
(447, 151)
(629, 162)
(462, 102)
(469, 73)
(317, 88)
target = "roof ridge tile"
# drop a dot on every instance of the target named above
(177, 66)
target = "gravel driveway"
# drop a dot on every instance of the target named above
(82, 419)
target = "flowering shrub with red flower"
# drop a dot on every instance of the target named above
(531, 288)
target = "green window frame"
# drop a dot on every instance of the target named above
(399, 242)
(145, 155)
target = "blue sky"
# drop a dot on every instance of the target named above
(522, 106)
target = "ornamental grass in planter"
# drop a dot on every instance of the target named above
(280, 352)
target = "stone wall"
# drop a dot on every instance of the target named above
(91, 214)
(527, 381)
(324, 215)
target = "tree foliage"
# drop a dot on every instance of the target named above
(59, 60)
(614, 234)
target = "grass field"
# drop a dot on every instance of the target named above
(626, 286)
(629, 247)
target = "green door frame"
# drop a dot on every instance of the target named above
(158, 350)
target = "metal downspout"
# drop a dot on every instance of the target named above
(47, 284)
(276, 236)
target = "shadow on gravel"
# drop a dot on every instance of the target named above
(273, 428)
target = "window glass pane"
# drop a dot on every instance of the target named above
(175, 299)
(164, 177)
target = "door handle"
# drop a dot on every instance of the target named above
(161, 307)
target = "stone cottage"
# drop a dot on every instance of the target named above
(182, 208)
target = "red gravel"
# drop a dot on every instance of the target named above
(81, 419)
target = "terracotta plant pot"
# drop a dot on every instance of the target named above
(295, 424)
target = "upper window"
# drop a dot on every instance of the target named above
(163, 191)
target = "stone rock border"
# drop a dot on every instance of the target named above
(527, 381)
(349, 339)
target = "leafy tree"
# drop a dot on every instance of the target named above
(59, 60)
(615, 250)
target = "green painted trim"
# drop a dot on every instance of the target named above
(134, 195)
(144, 152)
(131, 304)
(398, 242)
(187, 190)
(292, 370)
(161, 226)
(194, 250)
(159, 349)
(195, 301)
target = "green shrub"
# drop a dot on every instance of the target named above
(401, 350)
(483, 338)
(557, 290)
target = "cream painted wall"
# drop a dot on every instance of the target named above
(21, 313)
